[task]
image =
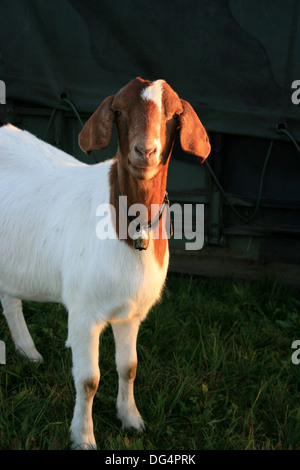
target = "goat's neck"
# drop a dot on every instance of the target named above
(146, 192)
(139, 191)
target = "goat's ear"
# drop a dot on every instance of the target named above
(96, 132)
(193, 137)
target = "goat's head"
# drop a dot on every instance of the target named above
(147, 115)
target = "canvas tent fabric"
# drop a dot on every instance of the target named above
(234, 60)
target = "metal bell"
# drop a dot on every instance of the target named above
(140, 239)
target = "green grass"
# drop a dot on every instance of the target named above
(215, 372)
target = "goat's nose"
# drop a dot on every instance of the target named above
(145, 152)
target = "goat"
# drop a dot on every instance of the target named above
(49, 250)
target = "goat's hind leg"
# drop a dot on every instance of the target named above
(12, 310)
(125, 334)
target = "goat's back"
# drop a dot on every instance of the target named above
(21, 150)
(47, 213)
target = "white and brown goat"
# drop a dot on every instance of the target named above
(49, 250)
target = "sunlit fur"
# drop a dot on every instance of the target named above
(154, 93)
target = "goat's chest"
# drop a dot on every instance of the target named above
(138, 284)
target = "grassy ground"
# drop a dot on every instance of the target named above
(215, 372)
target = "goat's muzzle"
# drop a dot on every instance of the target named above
(145, 154)
(144, 160)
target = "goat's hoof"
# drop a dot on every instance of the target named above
(84, 446)
(82, 440)
(31, 355)
(133, 422)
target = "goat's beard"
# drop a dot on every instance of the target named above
(143, 173)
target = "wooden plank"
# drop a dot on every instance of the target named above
(218, 263)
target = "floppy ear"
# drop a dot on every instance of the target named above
(96, 132)
(193, 137)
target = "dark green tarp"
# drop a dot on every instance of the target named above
(234, 60)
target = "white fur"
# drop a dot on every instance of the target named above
(49, 251)
(154, 92)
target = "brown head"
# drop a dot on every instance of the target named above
(147, 115)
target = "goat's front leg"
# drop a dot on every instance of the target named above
(125, 334)
(84, 342)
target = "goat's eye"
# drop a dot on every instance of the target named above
(173, 116)
(119, 113)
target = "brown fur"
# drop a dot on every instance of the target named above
(91, 387)
(131, 374)
(144, 197)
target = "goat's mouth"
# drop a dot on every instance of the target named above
(143, 164)
(143, 170)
